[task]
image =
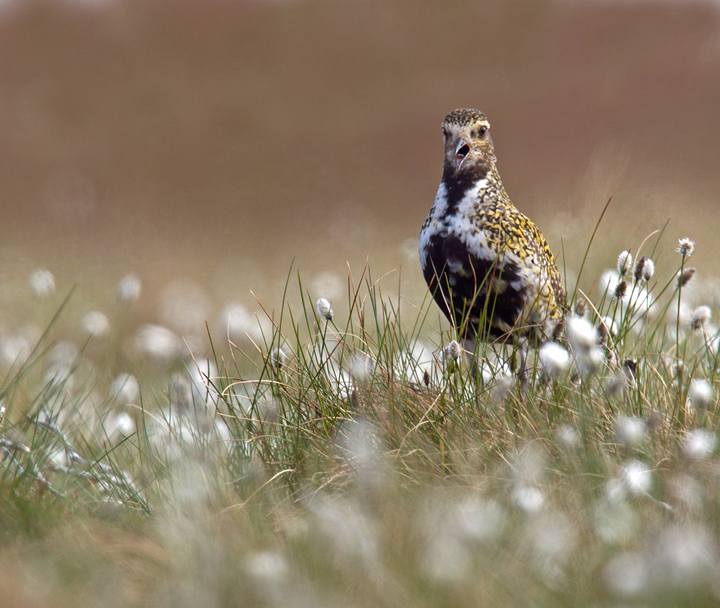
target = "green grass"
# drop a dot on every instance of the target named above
(347, 461)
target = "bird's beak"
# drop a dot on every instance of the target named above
(462, 149)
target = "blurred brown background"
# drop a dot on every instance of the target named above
(220, 140)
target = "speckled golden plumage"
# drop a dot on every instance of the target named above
(490, 269)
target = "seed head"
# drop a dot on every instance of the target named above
(95, 324)
(644, 269)
(581, 334)
(686, 247)
(624, 263)
(323, 309)
(700, 394)
(528, 498)
(627, 574)
(700, 317)
(620, 290)
(699, 443)
(278, 359)
(630, 432)
(128, 289)
(452, 351)
(125, 389)
(119, 426)
(584, 340)
(567, 437)
(158, 342)
(686, 276)
(636, 477)
(554, 359)
(580, 307)
(590, 361)
(639, 265)
(42, 282)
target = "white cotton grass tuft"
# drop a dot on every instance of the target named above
(684, 556)
(581, 333)
(324, 309)
(700, 317)
(96, 324)
(554, 359)
(644, 269)
(129, 289)
(699, 444)
(636, 477)
(624, 263)
(158, 342)
(42, 282)
(529, 499)
(452, 351)
(119, 426)
(648, 270)
(584, 342)
(16, 348)
(627, 574)
(686, 247)
(568, 437)
(267, 567)
(700, 394)
(630, 432)
(125, 389)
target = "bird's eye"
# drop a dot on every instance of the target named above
(481, 132)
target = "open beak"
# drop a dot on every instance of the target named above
(462, 149)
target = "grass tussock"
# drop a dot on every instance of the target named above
(365, 459)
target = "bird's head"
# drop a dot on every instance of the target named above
(469, 152)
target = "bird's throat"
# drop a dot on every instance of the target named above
(457, 185)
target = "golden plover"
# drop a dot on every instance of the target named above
(488, 266)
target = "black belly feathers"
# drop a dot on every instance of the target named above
(469, 289)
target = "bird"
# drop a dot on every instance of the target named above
(487, 265)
